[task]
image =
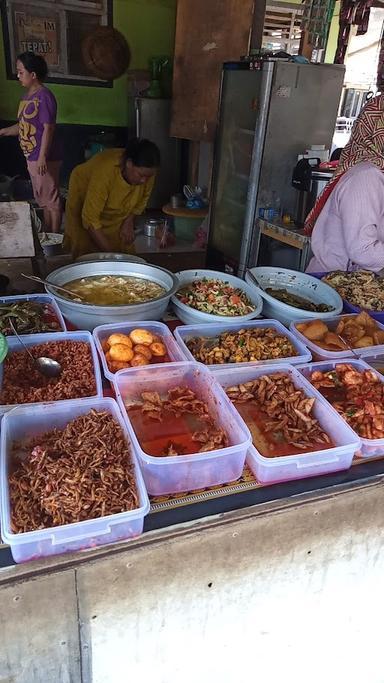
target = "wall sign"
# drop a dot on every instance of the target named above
(39, 34)
(54, 29)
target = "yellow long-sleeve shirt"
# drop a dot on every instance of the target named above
(100, 197)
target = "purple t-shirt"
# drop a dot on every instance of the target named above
(34, 111)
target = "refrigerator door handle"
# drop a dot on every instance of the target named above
(257, 157)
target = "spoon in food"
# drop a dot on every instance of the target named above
(348, 346)
(254, 279)
(50, 284)
(46, 366)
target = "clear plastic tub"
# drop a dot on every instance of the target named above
(33, 339)
(102, 333)
(377, 315)
(24, 423)
(370, 448)
(285, 468)
(38, 299)
(186, 332)
(322, 354)
(375, 359)
(174, 474)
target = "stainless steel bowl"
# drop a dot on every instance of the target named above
(87, 316)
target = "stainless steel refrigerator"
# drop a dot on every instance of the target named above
(267, 117)
(152, 121)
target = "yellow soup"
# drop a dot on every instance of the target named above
(114, 290)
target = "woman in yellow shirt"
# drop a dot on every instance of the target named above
(105, 194)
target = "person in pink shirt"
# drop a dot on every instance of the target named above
(347, 222)
(36, 129)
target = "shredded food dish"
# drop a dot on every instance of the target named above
(245, 345)
(279, 416)
(216, 297)
(22, 383)
(357, 395)
(361, 288)
(178, 424)
(28, 317)
(73, 474)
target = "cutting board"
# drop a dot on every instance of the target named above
(16, 234)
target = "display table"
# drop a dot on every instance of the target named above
(232, 570)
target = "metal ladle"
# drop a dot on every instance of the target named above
(46, 366)
(35, 278)
(254, 279)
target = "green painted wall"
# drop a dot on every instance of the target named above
(149, 27)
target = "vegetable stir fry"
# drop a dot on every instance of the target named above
(216, 297)
(28, 317)
(242, 346)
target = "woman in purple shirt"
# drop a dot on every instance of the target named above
(36, 130)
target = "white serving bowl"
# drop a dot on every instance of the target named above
(87, 316)
(190, 315)
(301, 284)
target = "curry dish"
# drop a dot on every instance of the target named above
(114, 290)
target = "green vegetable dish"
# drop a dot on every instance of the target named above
(28, 317)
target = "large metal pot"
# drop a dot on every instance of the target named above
(87, 317)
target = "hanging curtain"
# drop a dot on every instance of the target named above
(317, 17)
(352, 13)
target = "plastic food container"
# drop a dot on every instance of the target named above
(44, 299)
(33, 339)
(102, 333)
(23, 423)
(191, 316)
(322, 354)
(287, 467)
(301, 284)
(370, 448)
(174, 474)
(377, 315)
(186, 332)
(374, 357)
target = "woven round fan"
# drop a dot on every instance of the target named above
(106, 53)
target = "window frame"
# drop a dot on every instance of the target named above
(100, 8)
(295, 11)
